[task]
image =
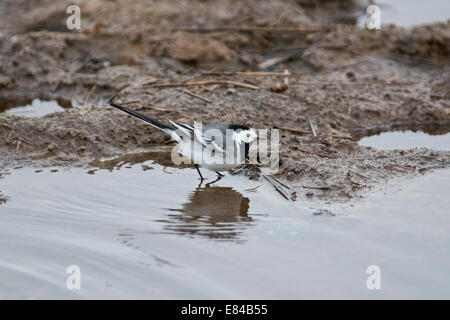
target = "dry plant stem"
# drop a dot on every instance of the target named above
(340, 137)
(203, 83)
(250, 29)
(295, 130)
(5, 125)
(192, 94)
(156, 108)
(312, 129)
(89, 94)
(24, 140)
(251, 74)
(268, 50)
(353, 84)
(315, 153)
(271, 62)
(310, 132)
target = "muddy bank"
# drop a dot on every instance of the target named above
(347, 80)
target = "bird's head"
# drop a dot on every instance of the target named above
(245, 135)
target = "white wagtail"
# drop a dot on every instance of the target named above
(216, 147)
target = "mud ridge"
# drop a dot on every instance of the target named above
(347, 82)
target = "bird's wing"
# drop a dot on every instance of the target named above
(184, 128)
(196, 134)
(208, 143)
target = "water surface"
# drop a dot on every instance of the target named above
(406, 13)
(407, 139)
(142, 228)
(37, 108)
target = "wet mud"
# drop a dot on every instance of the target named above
(347, 83)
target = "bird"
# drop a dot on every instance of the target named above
(216, 147)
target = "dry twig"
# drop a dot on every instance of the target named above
(202, 83)
(320, 83)
(315, 153)
(192, 94)
(5, 125)
(312, 129)
(273, 61)
(309, 29)
(24, 140)
(251, 74)
(295, 130)
(89, 94)
(310, 132)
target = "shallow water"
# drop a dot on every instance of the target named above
(406, 13)
(37, 108)
(407, 140)
(142, 228)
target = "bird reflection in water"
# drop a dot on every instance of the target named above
(214, 212)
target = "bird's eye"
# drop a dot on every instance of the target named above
(248, 135)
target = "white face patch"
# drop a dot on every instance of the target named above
(246, 136)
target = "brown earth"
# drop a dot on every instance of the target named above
(348, 82)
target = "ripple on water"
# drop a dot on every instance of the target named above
(157, 233)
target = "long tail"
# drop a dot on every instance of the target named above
(157, 124)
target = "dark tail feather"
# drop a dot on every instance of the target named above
(153, 122)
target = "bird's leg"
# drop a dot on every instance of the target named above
(219, 174)
(210, 183)
(200, 184)
(198, 170)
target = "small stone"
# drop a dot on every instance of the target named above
(279, 87)
(323, 211)
(52, 146)
(4, 81)
(298, 170)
